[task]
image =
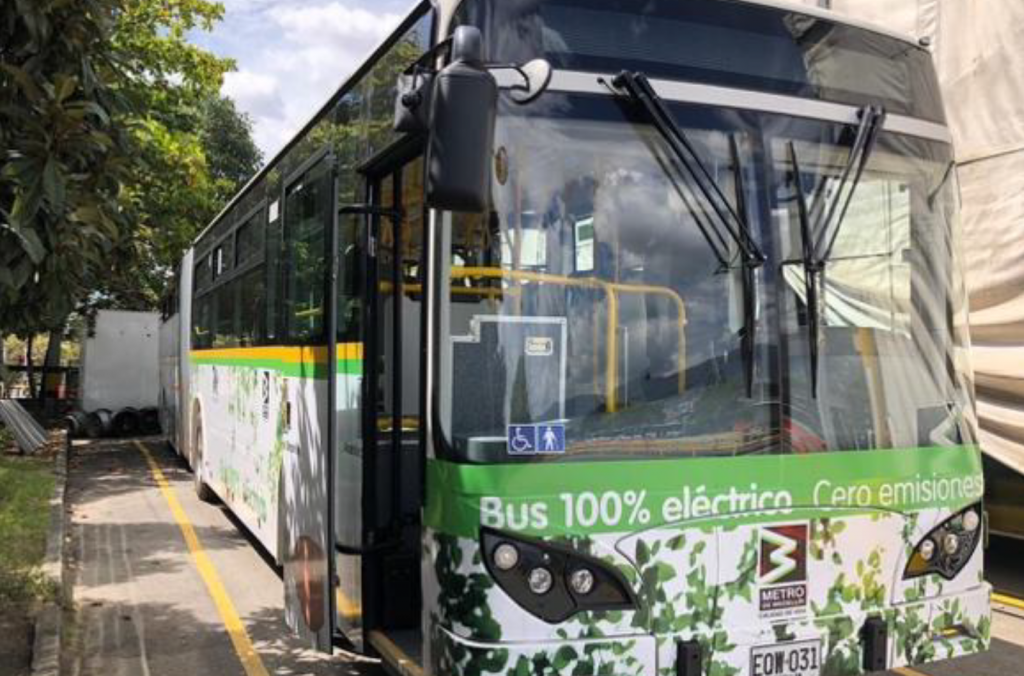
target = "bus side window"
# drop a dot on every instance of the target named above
(249, 307)
(306, 207)
(201, 322)
(224, 334)
(274, 251)
(350, 276)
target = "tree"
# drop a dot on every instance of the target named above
(96, 98)
(231, 154)
(187, 175)
(112, 152)
(181, 151)
(170, 194)
(65, 153)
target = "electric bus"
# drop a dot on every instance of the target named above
(579, 337)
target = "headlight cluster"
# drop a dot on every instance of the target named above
(948, 547)
(551, 581)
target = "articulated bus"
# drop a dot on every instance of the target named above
(579, 337)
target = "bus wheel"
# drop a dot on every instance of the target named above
(203, 490)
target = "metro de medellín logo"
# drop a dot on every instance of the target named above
(782, 570)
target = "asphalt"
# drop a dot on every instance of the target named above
(1004, 566)
(143, 609)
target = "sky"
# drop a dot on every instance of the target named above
(291, 55)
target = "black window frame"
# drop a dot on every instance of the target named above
(257, 218)
(267, 185)
(297, 176)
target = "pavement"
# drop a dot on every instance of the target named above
(142, 606)
(146, 605)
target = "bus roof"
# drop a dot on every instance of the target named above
(445, 10)
(447, 7)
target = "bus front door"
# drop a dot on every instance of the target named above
(378, 467)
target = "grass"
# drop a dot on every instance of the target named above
(26, 485)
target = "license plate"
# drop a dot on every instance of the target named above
(801, 658)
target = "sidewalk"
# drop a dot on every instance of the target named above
(142, 607)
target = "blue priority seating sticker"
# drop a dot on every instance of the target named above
(536, 439)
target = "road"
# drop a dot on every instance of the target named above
(1004, 565)
(144, 607)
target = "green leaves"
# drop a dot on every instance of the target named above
(30, 242)
(643, 553)
(52, 161)
(33, 246)
(105, 174)
(64, 86)
(53, 185)
(24, 81)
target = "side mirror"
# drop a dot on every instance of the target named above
(463, 108)
(412, 102)
(457, 107)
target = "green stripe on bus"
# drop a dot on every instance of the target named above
(306, 369)
(562, 498)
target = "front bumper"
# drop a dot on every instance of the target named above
(942, 627)
(937, 628)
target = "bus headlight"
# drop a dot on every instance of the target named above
(581, 581)
(552, 581)
(506, 556)
(926, 549)
(540, 580)
(948, 547)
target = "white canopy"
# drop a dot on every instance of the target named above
(977, 48)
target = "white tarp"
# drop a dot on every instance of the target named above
(978, 47)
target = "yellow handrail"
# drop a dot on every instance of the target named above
(612, 290)
(680, 317)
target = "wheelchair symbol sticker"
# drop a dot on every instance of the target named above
(534, 439)
(522, 439)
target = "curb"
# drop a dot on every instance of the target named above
(46, 648)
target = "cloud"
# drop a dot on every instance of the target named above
(292, 57)
(257, 94)
(335, 21)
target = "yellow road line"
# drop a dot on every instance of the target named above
(1008, 601)
(251, 661)
(907, 671)
(393, 655)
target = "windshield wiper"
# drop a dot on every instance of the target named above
(638, 88)
(872, 119)
(817, 250)
(727, 221)
(747, 338)
(811, 269)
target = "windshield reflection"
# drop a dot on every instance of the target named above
(589, 298)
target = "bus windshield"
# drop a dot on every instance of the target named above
(588, 315)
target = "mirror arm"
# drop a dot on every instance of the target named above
(371, 210)
(424, 64)
(524, 86)
(351, 550)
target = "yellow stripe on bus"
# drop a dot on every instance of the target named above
(250, 659)
(294, 354)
